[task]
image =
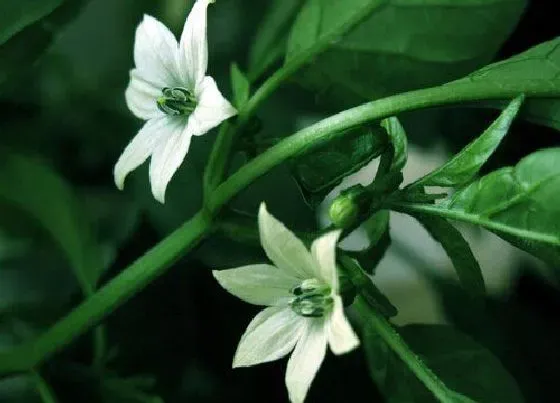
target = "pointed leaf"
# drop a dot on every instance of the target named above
(240, 85)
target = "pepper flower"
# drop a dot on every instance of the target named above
(169, 89)
(304, 308)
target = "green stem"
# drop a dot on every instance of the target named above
(43, 388)
(389, 335)
(156, 260)
(470, 218)
(115, 292)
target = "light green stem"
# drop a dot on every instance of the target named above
(43, 388)
(389, 335)
(156, 260)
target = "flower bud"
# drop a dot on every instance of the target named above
(347, 207)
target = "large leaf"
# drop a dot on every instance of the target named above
(466, 164)
(519, 203)
(539, 65)
(35, 189)
(16, 15)
(321, 170)
(461, 363)
(272, 36)
(400, 46)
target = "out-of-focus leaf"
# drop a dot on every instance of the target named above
(461, 363)
(240, 85)
(397, 45)
(271, 38)
(35, 189)
(17, 14)
(466, 164)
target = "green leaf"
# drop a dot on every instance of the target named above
(456, 247)
(538, 65)
(240, 85)
(20, 51)
(16, 15)
(271, 38)
(397, 138)
(461, 363)
(465, 165)
(519, 202)
(377, 232)
(318, 172)
(39, 192)
(396, 45)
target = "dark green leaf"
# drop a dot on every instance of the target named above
(319, 172)
(465, 165)
(16, 15)
(456, 247)
(21, 50)
(459, 361)
(271, 38)
(538, 65)
(397, 138)
(38, 191)
(240, 85)
(397, 45)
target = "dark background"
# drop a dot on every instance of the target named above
(182, 330)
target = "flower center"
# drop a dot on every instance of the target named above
(176, 101)
(312, 299)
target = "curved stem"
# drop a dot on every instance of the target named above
(156, 260)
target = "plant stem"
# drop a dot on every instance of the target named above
(389, 335)
(155, 261)
(43, 388)
(115, 292)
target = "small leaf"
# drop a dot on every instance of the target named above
(35, 189)
(461, 363)
(271, 38)
(456, 247)
(240, 85)
(318, 172)
(397, 138)
(377, 232)
(466, 164)
(538, 66)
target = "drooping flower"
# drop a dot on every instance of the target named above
(304, 309)
(169, 89)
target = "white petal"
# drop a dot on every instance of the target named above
(285, 250)
(306, 360)
(193, 53)
(167, 157)
(341, 336)
(271, 335)
(259, 284)
(212, 108)
(153, 133)
(323, 250)
(141, 96)
(155, 53)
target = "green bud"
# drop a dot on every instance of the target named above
(347, 207)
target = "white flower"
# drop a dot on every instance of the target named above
(304, 311)
(169, 88)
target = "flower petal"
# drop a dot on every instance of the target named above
(193, 46)
(306, 360)
(141, 147)
(141, 96)
(271, 335)
(323, 250)
(155, 53)
(259, 284)
(340, 334)
(212, 108)
(168, 156)
(285, 250)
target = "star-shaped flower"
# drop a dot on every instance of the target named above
(169, 88)
(305, 311)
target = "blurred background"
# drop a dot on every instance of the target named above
(64, 122)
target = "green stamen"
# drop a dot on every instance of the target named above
(312, 299)
(176, 101)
